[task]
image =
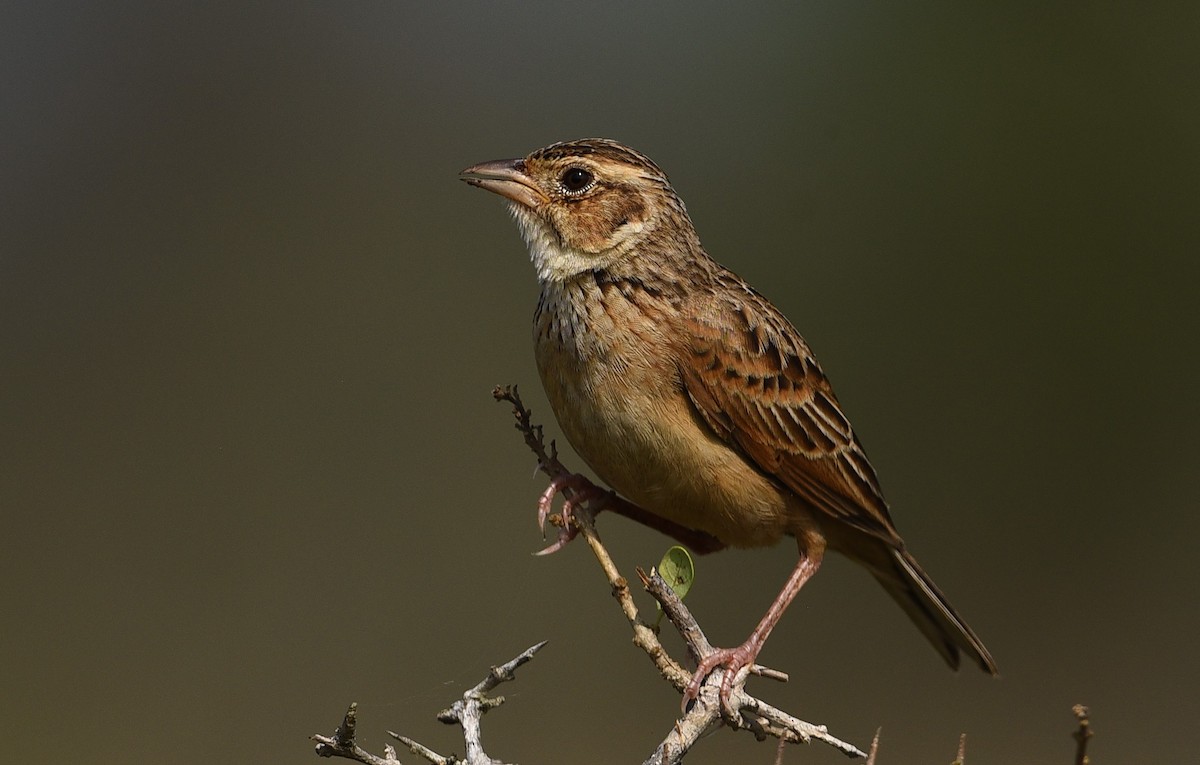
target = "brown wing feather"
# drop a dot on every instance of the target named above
(756, 384)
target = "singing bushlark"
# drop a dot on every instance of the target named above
(691, 395)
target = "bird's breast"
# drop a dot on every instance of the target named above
(607, 360)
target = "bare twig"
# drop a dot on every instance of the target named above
(962, 750)
(1082, 734)
(874, 747)
(747, 712)
(547, 460)
(467, 712)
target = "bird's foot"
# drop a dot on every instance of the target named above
(582, 491)
(732, 661)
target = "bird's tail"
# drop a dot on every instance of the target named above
(928, 608)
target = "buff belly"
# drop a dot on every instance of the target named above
(654, 451)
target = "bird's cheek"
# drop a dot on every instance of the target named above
(600, 228)
(585, 231)
(626, 234)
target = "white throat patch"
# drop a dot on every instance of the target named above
(553, 260)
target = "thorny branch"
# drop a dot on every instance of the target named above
(467, 712)
(747, 712)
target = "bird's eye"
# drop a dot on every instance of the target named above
(576, 179)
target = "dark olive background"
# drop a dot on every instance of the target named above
(250, 468)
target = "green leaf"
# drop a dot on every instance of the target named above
(677, 570)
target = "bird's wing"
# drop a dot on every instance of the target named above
(755, 383)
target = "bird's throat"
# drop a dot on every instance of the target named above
(554, 260)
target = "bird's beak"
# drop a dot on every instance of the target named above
(507, 178)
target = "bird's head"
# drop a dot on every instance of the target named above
(584, 205)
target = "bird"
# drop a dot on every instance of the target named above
(692, 396)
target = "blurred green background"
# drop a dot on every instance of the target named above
(250, 468)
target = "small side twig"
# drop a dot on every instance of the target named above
(342, 743)
(1081, 734)
(547, 460)
(961, 759)
(874, 750)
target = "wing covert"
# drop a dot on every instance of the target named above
(756, 384)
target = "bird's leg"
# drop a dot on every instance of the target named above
(732, 660)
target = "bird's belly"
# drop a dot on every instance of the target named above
(636, 428)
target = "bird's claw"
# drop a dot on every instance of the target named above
(583, 491)
(565, 535)
(732, 661)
